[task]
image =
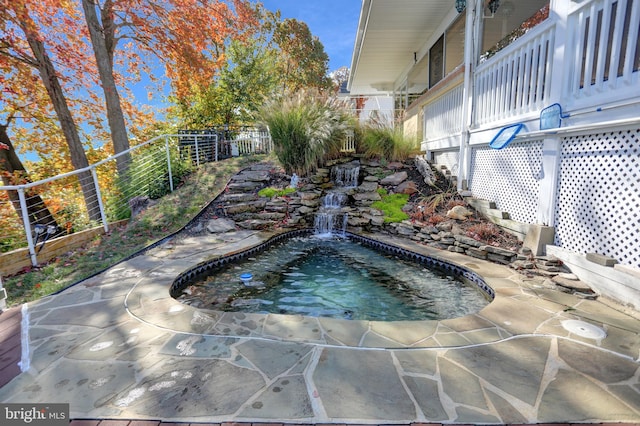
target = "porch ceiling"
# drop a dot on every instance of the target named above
(389, 32)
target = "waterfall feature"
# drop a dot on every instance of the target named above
(346, 175)
(330, 219)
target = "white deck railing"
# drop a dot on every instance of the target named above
(602, 52)
(349, 144)
(444, 117)
(252, 142)
(516, 81)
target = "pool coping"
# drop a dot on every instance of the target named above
(521, 305)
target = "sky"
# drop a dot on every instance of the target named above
(335, 22)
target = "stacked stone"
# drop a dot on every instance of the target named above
(362, 217)
(555, 273)
(242, 204)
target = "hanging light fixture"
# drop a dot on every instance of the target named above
(460, 5)
(493, 6)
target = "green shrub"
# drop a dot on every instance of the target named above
(271, 192)
(387, 143)
(391, 206)
(307, 129)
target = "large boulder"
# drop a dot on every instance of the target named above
(425, 170)
(394, 179)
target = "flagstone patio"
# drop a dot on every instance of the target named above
(117, 346)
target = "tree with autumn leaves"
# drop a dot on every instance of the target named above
(275, 58)
(304, 63)
(59, 86)
(48, 72)
(23, 42)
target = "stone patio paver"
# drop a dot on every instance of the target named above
(118, 347)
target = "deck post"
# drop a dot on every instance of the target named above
(473, 30)
(552, 145)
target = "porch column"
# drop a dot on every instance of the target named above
(552, 146)
(472, 36)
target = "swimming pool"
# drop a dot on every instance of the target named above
(349, 278)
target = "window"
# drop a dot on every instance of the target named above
(454, 45)
(448, 52)
(436, 62)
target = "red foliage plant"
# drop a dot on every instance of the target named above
(436, 219)
(453, 203)
(484, 232)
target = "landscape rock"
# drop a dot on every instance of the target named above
(367, 186)
(425, 170)
(395, 165)
(254, 176)
(477, 253)
(394, 179)
(576, 285)
(239, 197)
(499, 250)
(444, 226)
(244, 186)
(309, 195)
(237, 208)
(375, 220)
(462, 239)
(407, 187)
(256, 224)
(357, 221)
(370, 196)
(139, 204)
(522, 264)
(459, 213)
(220, 226)
(311, 202)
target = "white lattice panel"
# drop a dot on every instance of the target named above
(450, 159)
(509, 177)
(598, 196)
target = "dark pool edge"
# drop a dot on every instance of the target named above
(464, 273)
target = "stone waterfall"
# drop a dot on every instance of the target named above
(331, 219)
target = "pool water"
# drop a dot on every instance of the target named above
(335, 278)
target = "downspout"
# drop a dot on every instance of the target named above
(472, 36)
